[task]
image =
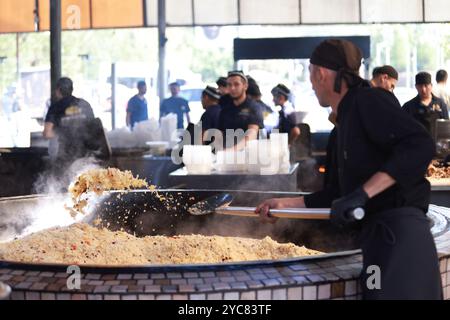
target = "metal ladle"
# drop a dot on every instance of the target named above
(220, 204)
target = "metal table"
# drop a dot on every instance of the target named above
(236, 181)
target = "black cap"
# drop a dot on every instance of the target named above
(141, 84)
(281, 89)
(237, 73)
(339, 55)
(174, 84)
(387, 70)
(212, 92)
(222, 82)
(423, 78)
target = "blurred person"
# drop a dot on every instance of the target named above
(440, 90)
(137, 108)
(385, 77)
(426, 108)
(14, 124)
(10, 102)
(177, 105)
(239, 112)
(65, 125)
(254, 93)
(222, 86)
(286, 123)
(210, 102)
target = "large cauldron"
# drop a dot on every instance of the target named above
(164, 212)
(332, 275)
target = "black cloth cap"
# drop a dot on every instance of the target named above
(342, 56)
(212, 92)
(388, 70)
(281, 89)
(222, 82)
(423, 78)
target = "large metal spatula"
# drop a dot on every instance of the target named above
(219, 204)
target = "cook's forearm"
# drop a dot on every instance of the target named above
(297, 202)
(378, 183)
(49, 132)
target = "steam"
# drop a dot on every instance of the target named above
(45, 212)
(58, 181)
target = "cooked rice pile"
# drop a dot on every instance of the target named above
(82, 244)
(438, 174)
(98, 181)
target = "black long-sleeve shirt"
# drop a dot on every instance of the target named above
(373, 134)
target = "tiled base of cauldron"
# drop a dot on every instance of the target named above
(317, 279)
(325, 279)
(306, 281)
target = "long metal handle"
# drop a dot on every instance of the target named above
(5, 291)
(290, 213)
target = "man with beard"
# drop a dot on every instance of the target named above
(426, 108)
(240, 118)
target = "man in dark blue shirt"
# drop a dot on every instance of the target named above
(239, 112)
(210, 102)
(425, 107)
(137, 109)
(176, 105)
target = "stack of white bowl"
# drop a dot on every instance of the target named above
(198, 159)
(269, 157)
(231, 161)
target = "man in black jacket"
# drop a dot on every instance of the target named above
(381, 156)
(426, 108)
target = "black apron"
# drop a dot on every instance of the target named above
(400, 243)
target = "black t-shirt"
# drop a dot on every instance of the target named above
(69, 108)
(374, 135)
(239, 117)
(427, 115)
(210, 118)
